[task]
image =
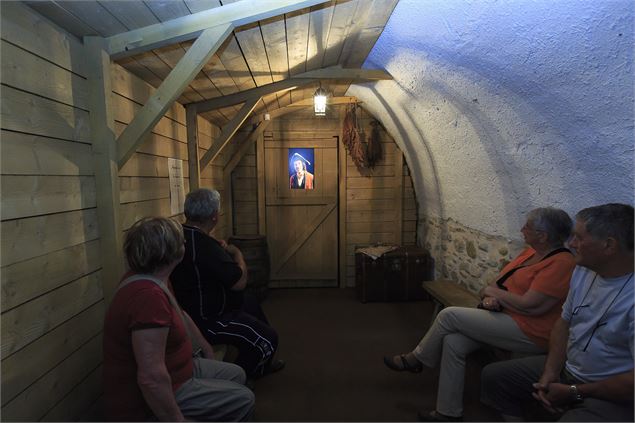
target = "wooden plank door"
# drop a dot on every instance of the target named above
(302, 224)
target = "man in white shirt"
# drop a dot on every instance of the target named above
(588, 373)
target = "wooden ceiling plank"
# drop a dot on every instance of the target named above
(188, 27)
(234, 62)
(217, 73)
(340, 25)
(166, 10)
(297, 35)
(170, 89)
(132, 14)
(228, 132)
(63, 18)
(94, 15)
(319, 26)
(196, 6)
(251, 44)
(275, 39)
(368, 23)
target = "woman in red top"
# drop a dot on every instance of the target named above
(529, 291)
(149, 371)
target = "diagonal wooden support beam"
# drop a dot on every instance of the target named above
(228, 131)
(190, 26)
(183, 73)
(244, 146)
(241, 97)
(332, 72)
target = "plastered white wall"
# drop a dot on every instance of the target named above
(504, 106)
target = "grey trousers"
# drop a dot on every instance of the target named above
(507, 386)
(457, 332)
(216, 392)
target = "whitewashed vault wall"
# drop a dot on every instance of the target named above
(501, 107)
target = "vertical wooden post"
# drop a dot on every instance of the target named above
(102, 126)
(341, 158)
(191, 117)
(398, 226)
(260, 173)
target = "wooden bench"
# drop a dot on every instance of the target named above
(446, 293)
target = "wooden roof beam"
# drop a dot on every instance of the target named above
(307, 102)
(183, 73)
(190, 26)
(228, 132)
(332, 72)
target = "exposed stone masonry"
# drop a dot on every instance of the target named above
(471, 257)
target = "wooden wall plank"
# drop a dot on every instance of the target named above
(125, 110)
(159, 145)
(43, 156)
(149, 166)
(32, 195)
(130, 86)
(24, 324)
(23, 368)
(73, 406)
(25, 71)
(18, 279)
(37, 399)
(41, 38)
(34, 236)
(141, 189)
(28, 113)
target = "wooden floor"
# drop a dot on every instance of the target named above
(334, 345)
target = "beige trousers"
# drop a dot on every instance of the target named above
(455, 333)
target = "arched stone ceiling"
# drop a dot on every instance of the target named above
(504, 106)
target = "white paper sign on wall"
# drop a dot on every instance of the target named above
(177, 189)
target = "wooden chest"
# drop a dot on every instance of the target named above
(395, 276)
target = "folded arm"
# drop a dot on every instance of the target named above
(531, 303)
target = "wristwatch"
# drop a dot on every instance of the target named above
(577, 396)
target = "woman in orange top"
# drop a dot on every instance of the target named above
(529, 291)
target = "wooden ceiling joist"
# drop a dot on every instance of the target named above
(190, 26)
(332, 72)
(171, 88)
(228, 131)
(293, 107)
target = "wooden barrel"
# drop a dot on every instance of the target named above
(256, 254)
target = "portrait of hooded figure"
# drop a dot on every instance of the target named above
(300, 168)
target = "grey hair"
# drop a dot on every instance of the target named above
(556, 223)
(153, 243)
(201, 204)
(610, 221)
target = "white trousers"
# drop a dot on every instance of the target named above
(455, 333)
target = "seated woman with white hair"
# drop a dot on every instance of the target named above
(517, 312)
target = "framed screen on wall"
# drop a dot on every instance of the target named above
(301, 171)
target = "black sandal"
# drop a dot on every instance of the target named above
(405, 366)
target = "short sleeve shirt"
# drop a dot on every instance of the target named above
(203, 280)
(550, 277)
(601, 333)
(137, 306)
